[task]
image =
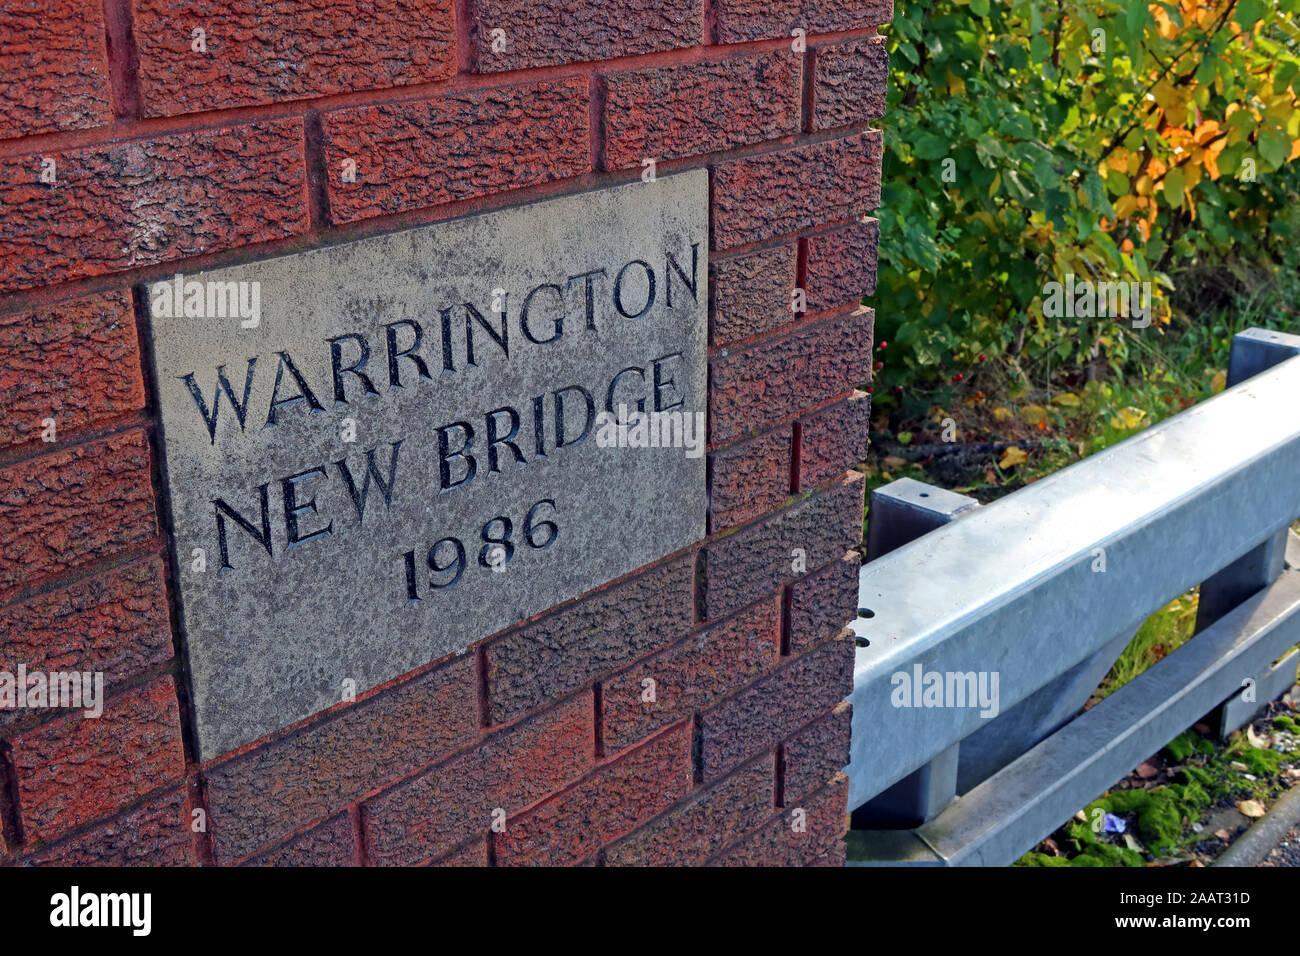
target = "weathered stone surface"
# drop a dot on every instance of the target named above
(55, 65)
(695, 108)
(753, 292)
(849, 82)
(457, 146)
(75, 362)
(710, 819)
(115, 622)
(260, 52)
(528, 33)
(331, 843)
(136, 202)
(156, 833)
(373, 471)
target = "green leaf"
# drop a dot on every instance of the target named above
(929, 146)
(1248, 13)
(1173, 186)
(979, 7)
(1274, 146)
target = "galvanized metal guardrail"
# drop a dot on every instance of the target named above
(1044, 588)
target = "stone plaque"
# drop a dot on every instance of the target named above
(380, 452)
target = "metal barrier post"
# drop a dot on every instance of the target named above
(903, 511)
(1253, 351)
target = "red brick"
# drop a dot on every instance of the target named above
(612, 801)
(814, 755)
(758, 717)
(824, 602)
(134, 203)
(331, 843)
(426, 152)
(742, 20)
(752, 387)
(76, 769)
(749, 479)
(115, 622)
(820, 842)
(473, 853)
(570, 648)
(265, 53)
(795, 188)
(428, 816)
(711, 819)
(742, 567)
(752, 292)
(258, 797)
(666, 112)
(575, 31)
(832, 16)
(157, 833)
(55, 61)
(76, 362)
(834, 440)
(63, 509)
(849, 81)
(842, 265)
(690, 676)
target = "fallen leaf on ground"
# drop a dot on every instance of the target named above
(1033, 414)
(1146, 771)
(1223, 834)
(1003, 414)
(1012, 456)
(1251, 808)
(894, 462)
(1255, 739)
(1129, 417)
(1067, 399)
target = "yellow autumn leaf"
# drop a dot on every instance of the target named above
(1033, 414)
(1003, 414)
(1128, 417)
(1012, 456)
(1068, 399)
(1219, 382)
(1207, 131)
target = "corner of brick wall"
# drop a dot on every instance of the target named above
(125, 156)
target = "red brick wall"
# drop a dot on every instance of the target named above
(167, 159)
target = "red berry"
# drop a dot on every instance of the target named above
(882, 346)
(957, 377)
(870, 389)
(981, 356)
(878, 366)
